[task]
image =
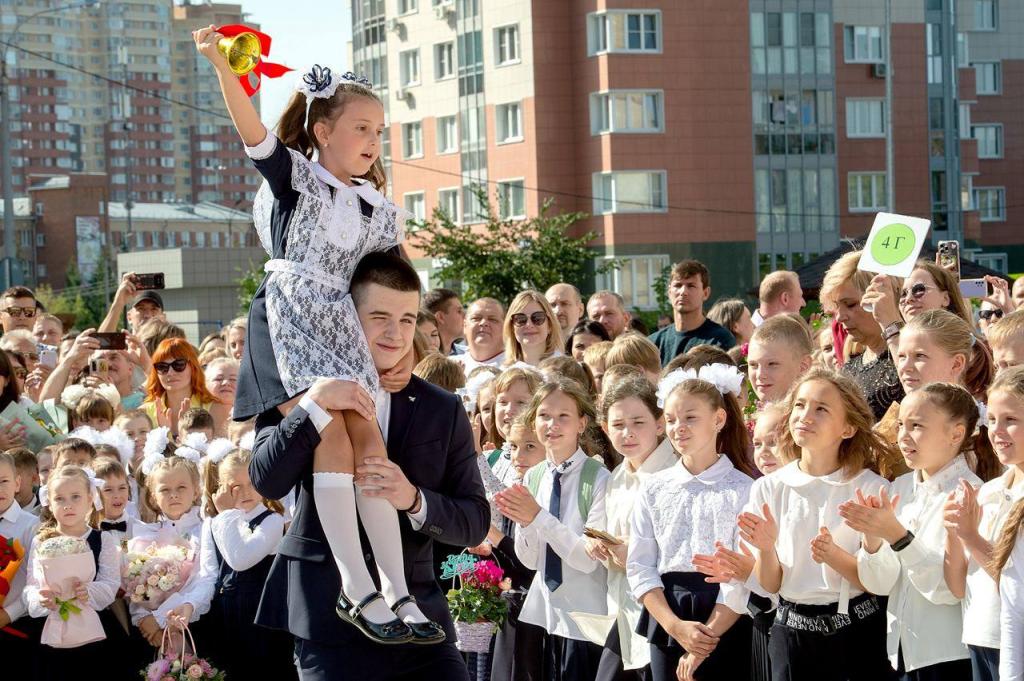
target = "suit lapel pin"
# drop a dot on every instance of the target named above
(412, 398)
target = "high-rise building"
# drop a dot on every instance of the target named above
(69, 104)
(750, 135)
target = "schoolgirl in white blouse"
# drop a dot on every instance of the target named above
(902, 555)
(559, 498)
(826, 628)
(975, 520)
(694, 627)
(244, 530)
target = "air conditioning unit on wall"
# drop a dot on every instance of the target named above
(880, 70)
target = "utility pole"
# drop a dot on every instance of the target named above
(890, 151)
(126, 113)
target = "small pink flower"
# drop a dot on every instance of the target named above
(195, 672)
(157, 670)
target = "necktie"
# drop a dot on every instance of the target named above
(552, 563)
(121, 526)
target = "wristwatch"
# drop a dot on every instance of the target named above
(892, 330)
(904, 542)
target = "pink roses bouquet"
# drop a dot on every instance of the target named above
(65, 561)
(152, 572)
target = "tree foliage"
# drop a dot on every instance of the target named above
(86, 300)
(500, 257)
(248, 283)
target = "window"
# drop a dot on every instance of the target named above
(40, 239)
(622, 31)
(412, 140)
(635, 279)
(409, 67)
(444, 61)
(990, 140)
(447, 135)
(509, 122)
(448, 202)
(986, 15)
(41, 270)
(511, 199)
(866, 192)
(416, 204)
(407, 6)
(862, 44)
(989, 77)
(865, 118)
(629, 192)
(991, 203)
(962, 51)
(626, 112)
(506, 45)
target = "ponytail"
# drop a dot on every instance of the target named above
(1003, 547)
(980, 369)
(957, 402)
(987, 465)
(291, 128)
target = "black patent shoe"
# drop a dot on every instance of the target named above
(394, 632)
(424, 633)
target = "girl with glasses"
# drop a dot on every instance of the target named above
(176, 384)
(531, 330)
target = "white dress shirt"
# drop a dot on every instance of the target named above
(1011, 618)
(19, 524)
(102, 589)
(584, 581)
(678, 515)
(198, 590)
(924, 617)
(130, 516)
(981, 599)
(241, 547)
(623, 490)
(802, 504)
(321, 418)
(468, 363)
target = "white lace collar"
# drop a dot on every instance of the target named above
(710, 476)
(360, 186)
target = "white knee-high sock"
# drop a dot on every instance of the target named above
(335, 500)
(380, 520)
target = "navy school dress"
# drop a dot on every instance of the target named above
(102, 657)
(260, 386)
(232, 641)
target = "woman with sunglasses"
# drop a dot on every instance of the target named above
(176, 384)
(989, 314)
(531, 330)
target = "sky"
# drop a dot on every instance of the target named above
(304, 32)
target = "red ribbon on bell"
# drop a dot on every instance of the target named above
(245, 49)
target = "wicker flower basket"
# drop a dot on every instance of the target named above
(474, 637)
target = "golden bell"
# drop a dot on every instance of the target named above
(242, 52)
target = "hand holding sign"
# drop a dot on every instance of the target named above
(893, 245)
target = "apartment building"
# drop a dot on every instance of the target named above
(750, 135)
(69, 105)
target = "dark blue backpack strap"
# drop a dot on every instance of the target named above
(95, 542)
(258, 520)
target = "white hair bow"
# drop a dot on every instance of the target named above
(248, 441)
(726, 378)
(218, 449)
(95, 484)
(156, 444)
(320, 82)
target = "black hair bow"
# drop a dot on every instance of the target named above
(318, 78)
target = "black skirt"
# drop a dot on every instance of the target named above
(762, 616)
(693, 599)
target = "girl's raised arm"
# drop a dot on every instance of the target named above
(243, 113)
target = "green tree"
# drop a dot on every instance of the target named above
(500, 257)
(248, 282)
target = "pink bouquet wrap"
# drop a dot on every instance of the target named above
(153, 570)
(74, 623)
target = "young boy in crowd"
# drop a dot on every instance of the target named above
(198, 420)
(19, 634)
(779, 352)
(27, 469)
(441, 371)
(638, 351)
(44, 463)
(596, 359)
(1006, 338)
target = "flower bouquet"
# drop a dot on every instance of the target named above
(64, 561)
(151, 571)
(185, 666)
(476, 604)
(11, 556)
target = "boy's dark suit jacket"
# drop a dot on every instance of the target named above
(430, 438)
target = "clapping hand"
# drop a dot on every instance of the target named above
(760, 531)
(875, 517)
(725, 564)
(961, 513)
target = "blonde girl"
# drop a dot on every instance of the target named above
(975, 519)
(827, 627)
(904, 537)
(694, 627)
(557, 500)
(244, 531)
(513, 391)
(632, 420)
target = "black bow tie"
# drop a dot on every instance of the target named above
(121, 526)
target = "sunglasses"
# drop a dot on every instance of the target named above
(20, 374)
(26, 312)
(537, 319)
(178, 365)
(916, 292)
(989, 315)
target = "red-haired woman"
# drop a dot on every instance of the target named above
(176, 384)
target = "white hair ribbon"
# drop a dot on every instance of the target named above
(725, 377)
